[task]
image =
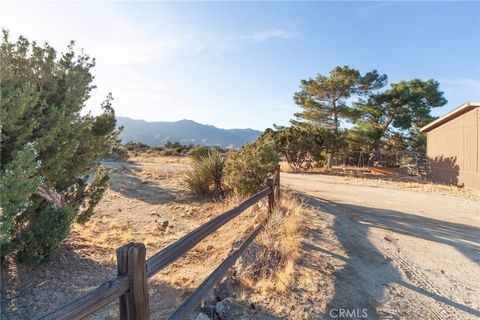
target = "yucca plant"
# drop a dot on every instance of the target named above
(196, 179)
(206, 175)
(214, 165)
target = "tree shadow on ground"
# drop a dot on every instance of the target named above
(367, 273)
(30, 291)
(127, 182)
(125, 179)
(444, 170)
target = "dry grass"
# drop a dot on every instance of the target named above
(155, 158)
(424, 186)
(269, 263)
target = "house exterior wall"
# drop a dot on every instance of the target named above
(453, 151)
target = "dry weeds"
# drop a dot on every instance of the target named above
(280, 275)
(266, 272)
(271, 259)
(153, 157)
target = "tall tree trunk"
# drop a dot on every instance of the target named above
(335, 130)
(378, 152)
(330, 160)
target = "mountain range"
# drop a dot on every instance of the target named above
(183, 131)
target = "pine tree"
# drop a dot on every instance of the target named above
(324, 100)
(404, 107)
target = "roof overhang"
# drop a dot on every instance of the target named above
(464, 108)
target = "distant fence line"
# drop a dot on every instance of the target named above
(130, 285)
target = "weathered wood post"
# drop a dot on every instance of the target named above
(271, 195)
(134, 304)
(277, 182)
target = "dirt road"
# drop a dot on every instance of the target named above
(397, 253)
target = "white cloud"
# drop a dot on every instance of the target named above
(114, 37)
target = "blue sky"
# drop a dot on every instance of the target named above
(237, 65)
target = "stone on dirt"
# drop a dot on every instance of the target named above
(229, 308)
(224, 288)
(202, 316)
(210, 299)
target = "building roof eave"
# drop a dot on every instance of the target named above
(464, 108)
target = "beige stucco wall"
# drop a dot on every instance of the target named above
(453, 151)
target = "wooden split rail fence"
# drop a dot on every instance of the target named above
(130, 286)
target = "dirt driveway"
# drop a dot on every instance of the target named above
(403, 253)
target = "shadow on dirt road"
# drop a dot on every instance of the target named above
(368, 274)
(125, 179)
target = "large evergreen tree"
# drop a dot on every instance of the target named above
(404, 108)
(48, 148)
(324, 100)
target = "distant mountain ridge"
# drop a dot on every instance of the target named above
(183, 131)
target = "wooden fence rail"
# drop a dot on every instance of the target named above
(130, 286)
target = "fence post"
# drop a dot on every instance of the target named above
(278, 182)
(271, 196)
(133, 304)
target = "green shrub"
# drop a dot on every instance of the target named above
(206, 176)
(176, 148)
(48, 147)
(119, 152)
(46, 233)
(199, 152)
(168, 152)
(248, 169)
(136, 147)
(304, 146)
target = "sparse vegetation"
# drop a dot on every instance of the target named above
(119, 152)
(198, 152)
(356, 230)
(244, 171)
(136, 149)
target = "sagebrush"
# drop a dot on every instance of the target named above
(248, 169)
